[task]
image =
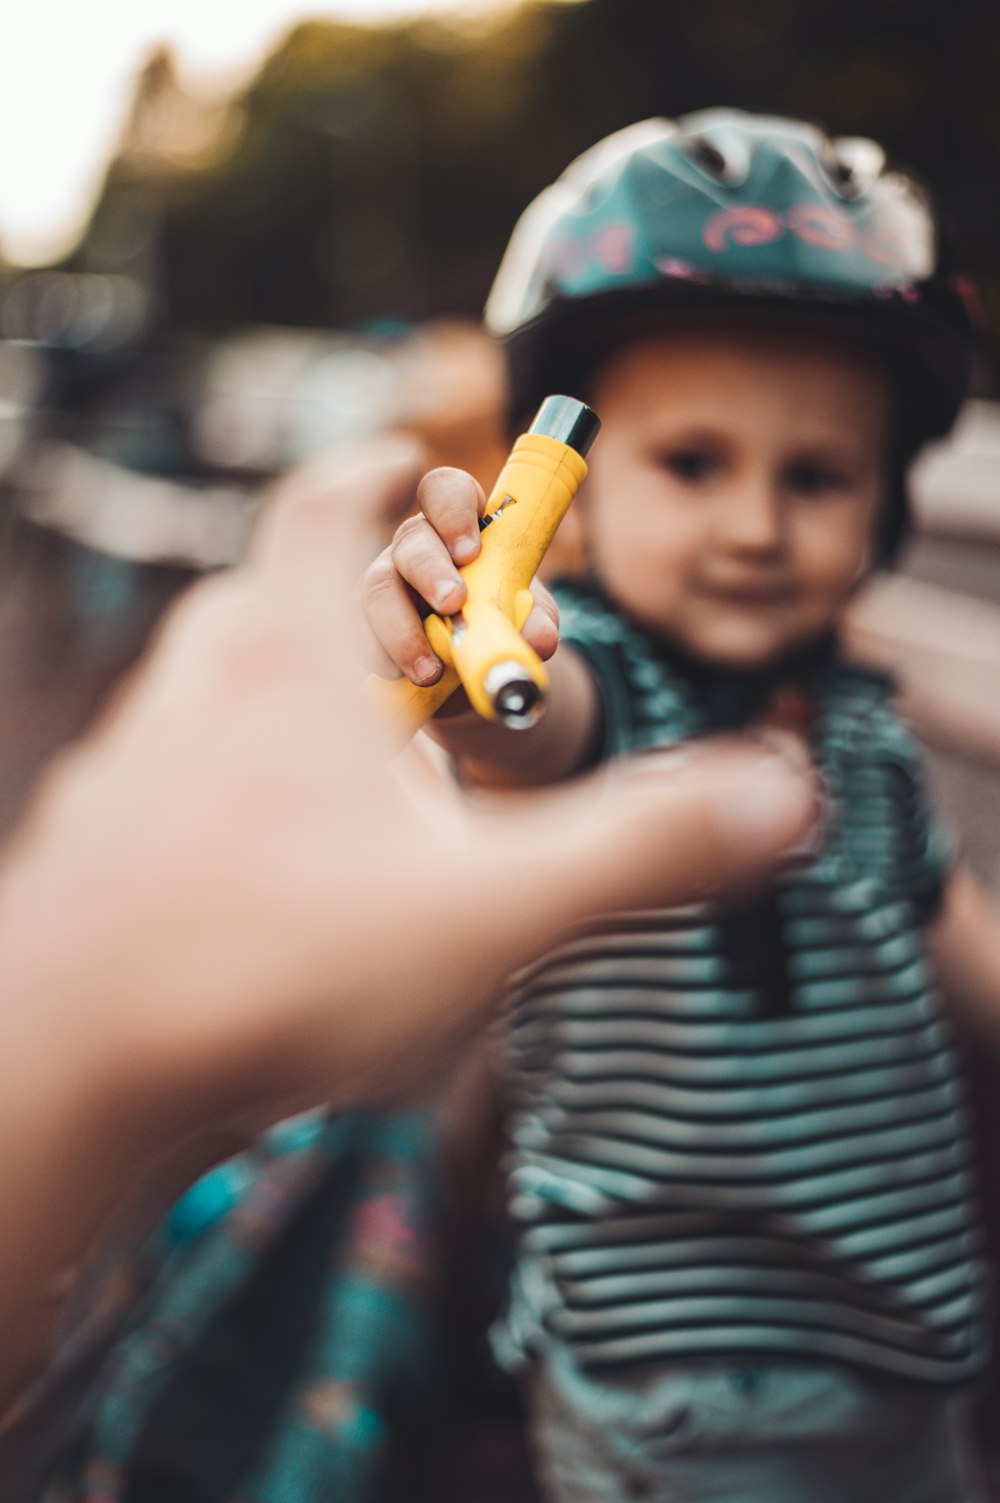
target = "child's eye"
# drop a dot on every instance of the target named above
(692, 466)
(810, 478)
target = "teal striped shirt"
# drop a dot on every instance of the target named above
(745, 1133)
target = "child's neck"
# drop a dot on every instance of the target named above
(777, 693)
(732, 694)
(798, 662)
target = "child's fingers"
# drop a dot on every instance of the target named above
(453, 502)
(395, 623)
(541, 630)
(419, 555)
(425, 555)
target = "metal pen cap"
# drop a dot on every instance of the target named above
(572, 422)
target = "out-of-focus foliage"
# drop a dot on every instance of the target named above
(376, 173)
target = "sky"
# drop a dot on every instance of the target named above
(67, 71)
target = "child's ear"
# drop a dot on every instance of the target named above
(866, 566)
(567, 554)
(872, 555)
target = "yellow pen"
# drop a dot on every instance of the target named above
(481, 646)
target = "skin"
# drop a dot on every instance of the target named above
(731, 507)
(227, 904)
(734, 495)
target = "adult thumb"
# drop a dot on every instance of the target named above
(660, 830)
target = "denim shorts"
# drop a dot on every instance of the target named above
(744, 1432)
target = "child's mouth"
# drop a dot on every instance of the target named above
(750, 596)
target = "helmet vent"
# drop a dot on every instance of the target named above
(853, 164)
(840, 171)
(706, 155)
(725, 161)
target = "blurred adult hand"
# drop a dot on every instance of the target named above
(227, 903)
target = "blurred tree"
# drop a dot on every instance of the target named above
(376, 172)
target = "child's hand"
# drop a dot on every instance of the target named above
(419, 572)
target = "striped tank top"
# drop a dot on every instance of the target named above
(744, 1133)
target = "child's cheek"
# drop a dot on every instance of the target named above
(836, 555)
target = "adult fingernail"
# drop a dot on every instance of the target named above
(787, 745)
(466, 548)
(769, 805)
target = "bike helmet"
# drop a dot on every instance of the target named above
(727, 216)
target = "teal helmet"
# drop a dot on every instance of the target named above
(723, 216)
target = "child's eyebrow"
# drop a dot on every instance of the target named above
(833, 446)
(841, 449)
(687, 432)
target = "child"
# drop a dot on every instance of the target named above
(748, 1258)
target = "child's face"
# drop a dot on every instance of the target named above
(735, 488)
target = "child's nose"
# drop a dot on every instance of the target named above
(752, 517)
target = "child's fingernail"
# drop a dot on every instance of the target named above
(466, 548)
(445, 590)
(426, 668)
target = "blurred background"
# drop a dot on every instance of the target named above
(234, 237)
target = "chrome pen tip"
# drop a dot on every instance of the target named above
(516, 699)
